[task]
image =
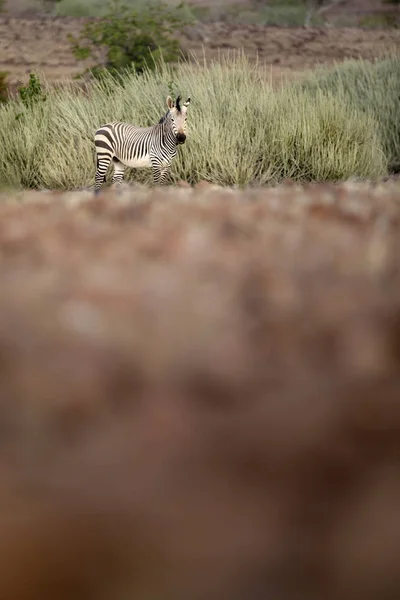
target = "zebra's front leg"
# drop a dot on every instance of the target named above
(160, 173)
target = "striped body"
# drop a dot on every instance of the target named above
(127, 145)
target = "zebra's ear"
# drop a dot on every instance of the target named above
(187, 102)
(170, 102)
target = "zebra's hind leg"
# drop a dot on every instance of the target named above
(119, 170)
(103, 162)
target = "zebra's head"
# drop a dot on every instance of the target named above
(177, 114)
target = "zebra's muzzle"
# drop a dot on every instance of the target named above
(181, 138)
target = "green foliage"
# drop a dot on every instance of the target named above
(371, 88)
(3, 86)
(31, 94)
(131, 39)
(241, 130)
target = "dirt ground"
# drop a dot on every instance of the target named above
(41, 45)
(200, 394)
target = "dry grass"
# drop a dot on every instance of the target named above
(199, 393)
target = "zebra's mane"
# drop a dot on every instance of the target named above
(163, 118)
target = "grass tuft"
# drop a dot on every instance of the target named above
(371, 88)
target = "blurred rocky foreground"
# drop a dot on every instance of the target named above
(200, 394)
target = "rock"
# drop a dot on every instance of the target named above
(183, 184)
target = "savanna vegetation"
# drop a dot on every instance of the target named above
(242, 130)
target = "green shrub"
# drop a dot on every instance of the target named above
(130, 38)
(241, 131)
(32, 93)
(373, 88)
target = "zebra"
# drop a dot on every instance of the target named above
(127, 145)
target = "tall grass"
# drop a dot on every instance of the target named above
(373, 88)
(241, 131)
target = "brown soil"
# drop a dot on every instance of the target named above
(41, 45)
(200, 394)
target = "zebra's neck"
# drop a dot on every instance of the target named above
(168, 136)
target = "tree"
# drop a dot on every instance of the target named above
(131, 38)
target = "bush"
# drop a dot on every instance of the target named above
(130, 38)
(373, 88)
(32, 93)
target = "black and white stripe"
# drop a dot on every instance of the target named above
(141, 147)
